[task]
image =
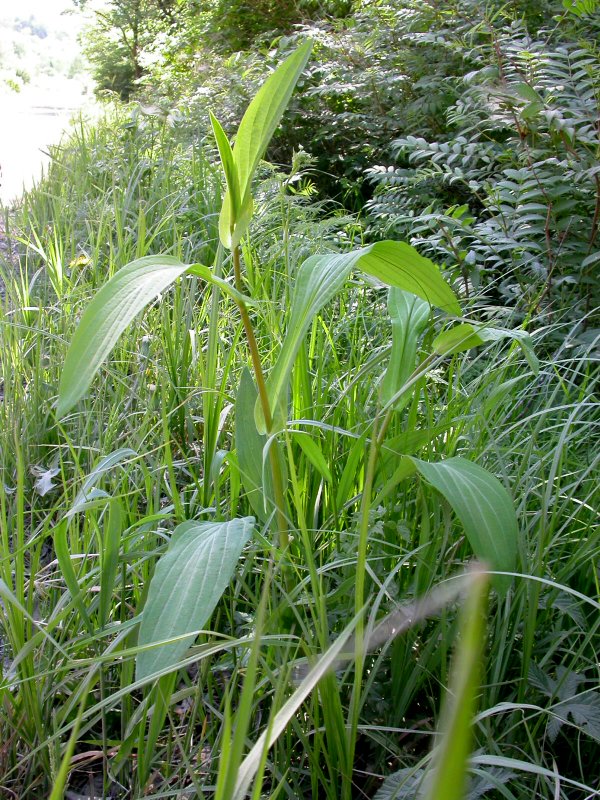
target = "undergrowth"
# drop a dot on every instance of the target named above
(154, 444)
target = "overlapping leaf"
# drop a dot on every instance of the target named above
(320, 278)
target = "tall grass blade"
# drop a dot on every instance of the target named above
(446, 777)
(253, 760)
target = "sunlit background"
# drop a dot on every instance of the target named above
(43, 84)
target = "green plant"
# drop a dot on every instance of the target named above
(201, 557)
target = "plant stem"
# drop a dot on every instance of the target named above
(276, 469)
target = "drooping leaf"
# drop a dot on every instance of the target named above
(409, 315)
(117, 303)
(399, 264)
(321, 277)
(254, 134)
(187, 585)
(465, 336)
(484, 508)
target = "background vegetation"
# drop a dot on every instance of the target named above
(32, 49)
(470, 132)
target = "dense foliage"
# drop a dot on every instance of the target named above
(471, 133)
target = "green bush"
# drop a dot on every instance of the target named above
(509, 194)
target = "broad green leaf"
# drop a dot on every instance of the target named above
(187, 585)
(465, 336)
(399, 264)
(254, 134)
(409, 315)
(229, 168)
(528, 93)
(456, 340)
(484, 508)
(321, 277)
(447, 774)
(117, 303)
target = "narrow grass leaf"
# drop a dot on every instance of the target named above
(187, 585)
(447, 774)
(58, 789)
(484, 508)
(253, 760)
(109, 558)
(63, 556)
(314, 454)
(88, 493)
(117, 303)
